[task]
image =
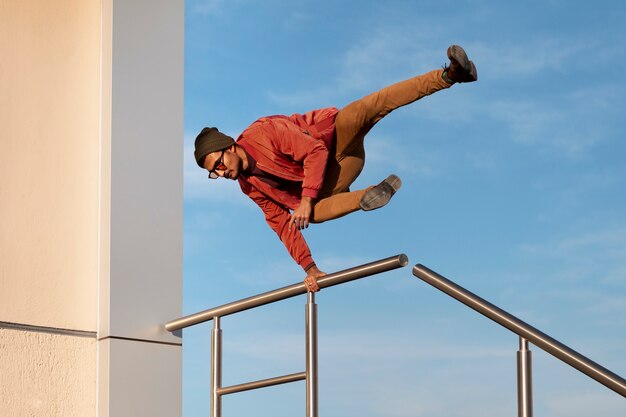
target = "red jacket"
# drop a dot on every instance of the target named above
(294, 148)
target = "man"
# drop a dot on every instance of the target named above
(298, 168)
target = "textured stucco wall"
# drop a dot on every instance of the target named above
(49, 162)
(46, 375)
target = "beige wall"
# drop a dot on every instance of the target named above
(49, 199)
(49, 118)
(47, 375)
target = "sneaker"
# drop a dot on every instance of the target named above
(461, 69)
(379, 195)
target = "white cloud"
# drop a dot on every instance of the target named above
(387, 52)
(422, 377)
(392, 155)
(585, 404)
(275, 347)
(208, 7)
(386, 55)
(606, 243)
(543, 125)
(529, 121)
(334, 263)
(609, 306)
(295, 19)
(562, 125)
(528, 58)
(356, 345)
(615, 276)
(593, 267)
(565, 122)
(308, 99)
(284, 271)
(580, 184)
(482, 160)
(534, 56)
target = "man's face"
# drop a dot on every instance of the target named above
(226, 164)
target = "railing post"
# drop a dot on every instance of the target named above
(216, 368)
(311, 355)
(524, 380)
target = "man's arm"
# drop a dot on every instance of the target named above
(291, 140)
(278, 218)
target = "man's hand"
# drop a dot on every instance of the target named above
(300, 216)
(312, 274)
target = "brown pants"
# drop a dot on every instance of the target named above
(351, 125)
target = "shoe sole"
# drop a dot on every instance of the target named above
(458, 54)
(376, 198)
(473, 72)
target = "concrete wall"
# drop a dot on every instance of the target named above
(91, 109)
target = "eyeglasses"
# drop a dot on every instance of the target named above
(219, 165)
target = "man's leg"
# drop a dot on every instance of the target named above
(354, 121)
(337, 205)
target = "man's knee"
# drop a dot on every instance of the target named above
(351, 119)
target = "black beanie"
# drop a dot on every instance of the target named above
(210, 140)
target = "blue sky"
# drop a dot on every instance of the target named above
(514, 187)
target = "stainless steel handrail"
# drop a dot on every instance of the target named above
(538, 338)
(329, 280)
(310, 375)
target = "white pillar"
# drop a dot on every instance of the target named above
(141, 208)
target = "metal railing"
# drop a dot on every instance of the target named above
(526, 334)
(310, 375)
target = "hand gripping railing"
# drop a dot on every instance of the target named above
(310, 375)
(526, 333)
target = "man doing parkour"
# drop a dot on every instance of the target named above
(298, 168)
